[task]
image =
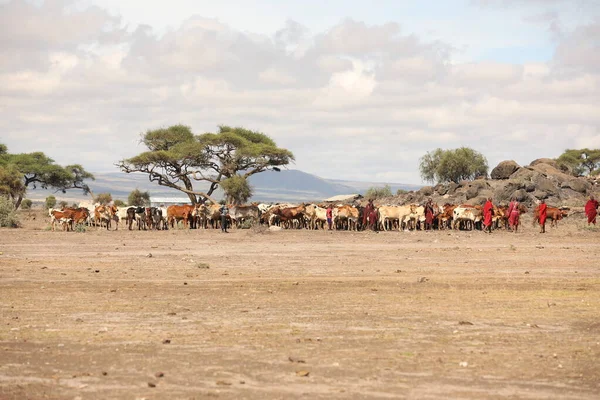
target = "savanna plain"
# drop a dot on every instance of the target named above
(255, 314)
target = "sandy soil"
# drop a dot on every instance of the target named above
(255, 315)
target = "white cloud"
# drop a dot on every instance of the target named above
(356, 101)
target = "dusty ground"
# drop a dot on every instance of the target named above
(391, 315)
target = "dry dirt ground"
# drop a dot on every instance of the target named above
(299, 314)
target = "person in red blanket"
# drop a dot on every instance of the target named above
(543, 215)
(488, 210)
(591, 210)
(513, 215)
(329, 215)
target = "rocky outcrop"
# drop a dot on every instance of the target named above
(542, 179)
(505, 169)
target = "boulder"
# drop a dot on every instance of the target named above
(504, 193)
(550, 171)
(548, 161)
(579, 185)
(452, 186)
(521, 195)
(505, 169)
(441, 189)
(546, 185)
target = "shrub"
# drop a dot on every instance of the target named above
(50, 201)
(401, 191)
(104, 198)
(8, 216)
(63, 204)
(120, 203)
(139, 198)
(26, 204)
(378, 192)
(81, 228)
(247, 223)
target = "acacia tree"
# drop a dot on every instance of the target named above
(581, 162)
(177, 158)
(452, 165)
(37, 169)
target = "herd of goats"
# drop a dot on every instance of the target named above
(309, 216)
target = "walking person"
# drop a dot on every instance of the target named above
(224, 210)
(488, 209)
(591, 210)
(543, 211)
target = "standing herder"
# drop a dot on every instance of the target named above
(224, 210)
(429, 214)
(591, 210)
(513, 215)
(488, 209)
(543, 211)
(367, 213)
(329, 215)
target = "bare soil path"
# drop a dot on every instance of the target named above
(251, 315)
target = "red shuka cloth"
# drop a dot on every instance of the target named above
(543, 215)
(487, 213)
(590, 210)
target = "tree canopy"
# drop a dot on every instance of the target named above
(237, 189)
(581, 162)
(38, 170)
(177, 158)
(452, 165)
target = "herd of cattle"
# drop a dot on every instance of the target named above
(310, 216)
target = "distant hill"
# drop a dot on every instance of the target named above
(269, 186)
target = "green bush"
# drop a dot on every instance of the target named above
(247, 223)
(81, 228)
(26, 204)
(50, 201)
(120, 203)
(8, 216)
(63, 204)
(378, 192)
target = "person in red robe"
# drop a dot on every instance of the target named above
(513, 215)
(591, 210)
(429, 215)
(543, 210)
(367, 213)
(488, 209)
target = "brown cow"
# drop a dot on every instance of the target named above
(291, 214)
(105, 214)
(76, 215)
(552, 213)
(177, 213)
(346, 216)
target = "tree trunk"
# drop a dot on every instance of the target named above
(18, 203)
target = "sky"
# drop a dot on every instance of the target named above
(357, 90)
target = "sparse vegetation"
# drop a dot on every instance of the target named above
(580, 162)
(378, 192)
(8, 216)
(138, 198)
(26, 204)
(401, 191)
(63, 204)
(120, 203)
(453, 165)
(50, 202)
(237, 189)
(103, 198)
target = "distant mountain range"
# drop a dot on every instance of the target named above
(269, 186)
